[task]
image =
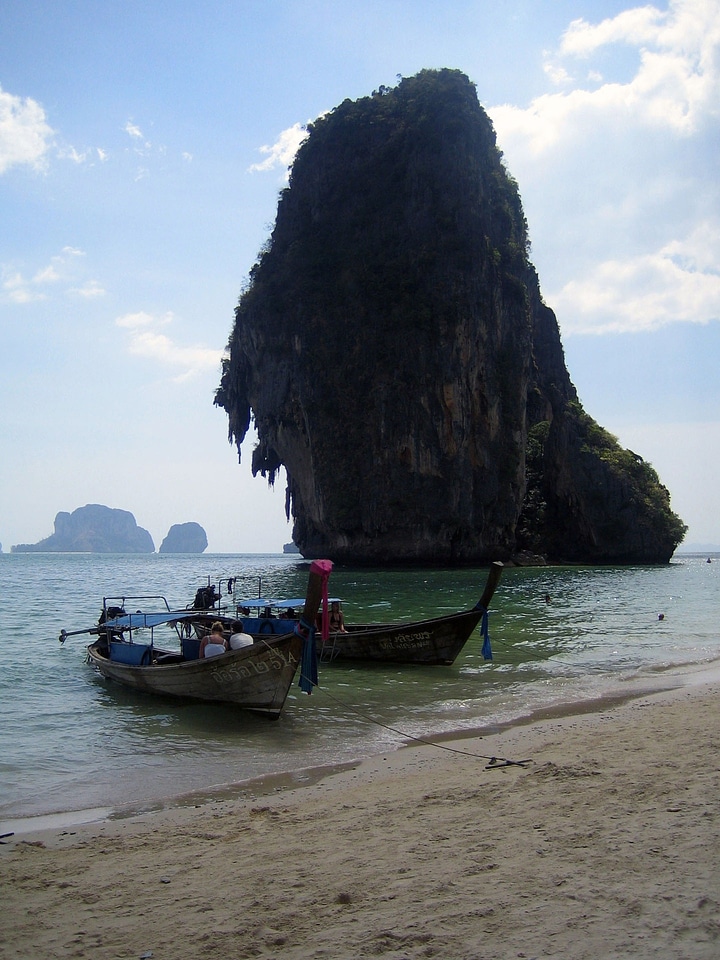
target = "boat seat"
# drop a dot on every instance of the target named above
(190, 648)
(166, 658)
(134, 654)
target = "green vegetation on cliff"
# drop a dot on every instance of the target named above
(394, 351)
(567, 514)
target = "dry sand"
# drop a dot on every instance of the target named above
(604, 846)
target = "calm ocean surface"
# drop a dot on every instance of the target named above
(71, 741)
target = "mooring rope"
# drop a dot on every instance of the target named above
(494, 761)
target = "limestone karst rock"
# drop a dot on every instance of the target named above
(184, 538)
(93, 528)
(396, 355)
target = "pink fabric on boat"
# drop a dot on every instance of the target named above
(323, 568)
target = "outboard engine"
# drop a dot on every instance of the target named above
(110, 613)
(205, 598)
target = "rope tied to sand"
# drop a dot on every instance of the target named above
(494, 762)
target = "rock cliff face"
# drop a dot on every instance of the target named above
(93, 529)
(394, 350)
(184, 538)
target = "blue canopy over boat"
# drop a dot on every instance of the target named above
(301, 602)
(135, 621)
(298, 602)
(259, 602)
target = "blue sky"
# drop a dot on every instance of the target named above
(142, 150)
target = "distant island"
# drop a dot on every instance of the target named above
(184, 538)
(95, 528)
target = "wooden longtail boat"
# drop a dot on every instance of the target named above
(256, 677)
(437, 641)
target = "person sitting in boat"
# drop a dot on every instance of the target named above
(214, 643)
(337, 620)
(238, 637)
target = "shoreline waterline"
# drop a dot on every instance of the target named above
(605, 844)
(72, 741)
(301, 777)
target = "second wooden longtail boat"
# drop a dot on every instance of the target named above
(432, 642)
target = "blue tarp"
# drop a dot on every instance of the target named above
(484, 630)
(301, 602)
(258, 602)
(308, 660)
(134, 621)
(298, 602)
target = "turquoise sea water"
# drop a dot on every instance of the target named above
(71, 741)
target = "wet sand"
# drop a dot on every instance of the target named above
(604, 845)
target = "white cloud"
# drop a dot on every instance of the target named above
(25, 136)
(676, 86)
(146, 342)
(72, 252)
(133, 130)
(89, 155)
(556, 74)
(61, 270)
(90, 290)
(61, 267)
(678, 283)
(282, 152)
(636, 26)
(151, 156)
(17, 290)
(133, 321)
(48, 274)
(70, 153)
(700, 251)
(619, 170)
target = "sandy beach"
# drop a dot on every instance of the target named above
(604, 845)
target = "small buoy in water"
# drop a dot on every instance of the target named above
(661, 616)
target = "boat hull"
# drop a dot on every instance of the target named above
(256, 678)
(425, 642)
